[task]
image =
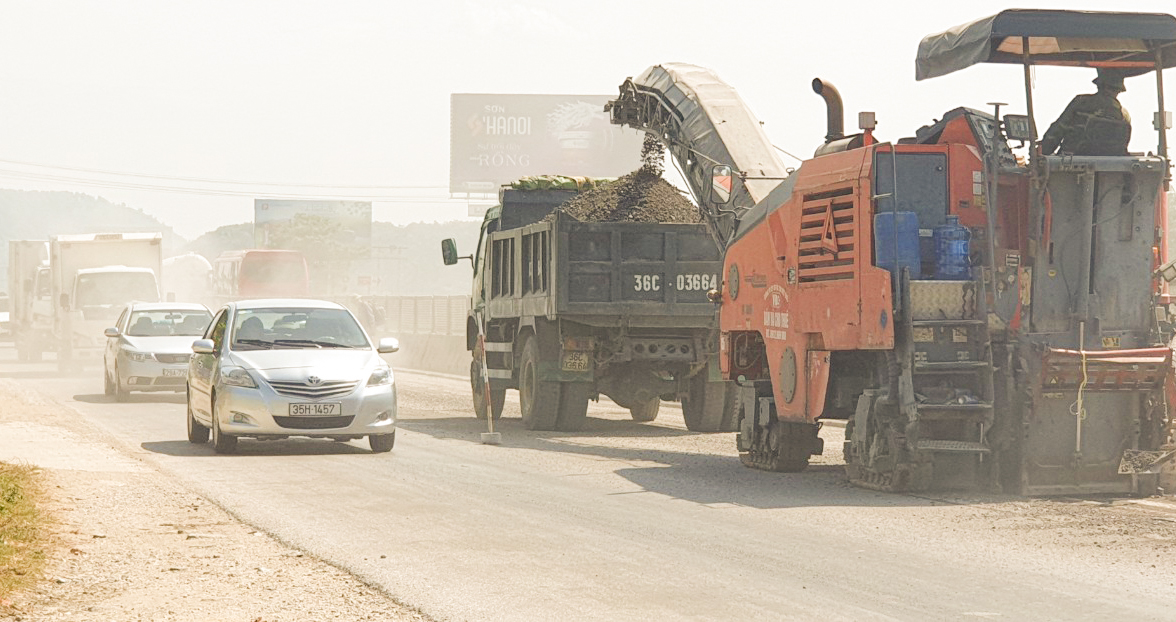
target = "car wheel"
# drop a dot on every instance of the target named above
(382, 443)
(197, 433)
(108, 386)
(222, 443)
(120, 394)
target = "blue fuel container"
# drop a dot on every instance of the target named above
(952, 251)
(896, 243)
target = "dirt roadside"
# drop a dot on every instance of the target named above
(128, 543)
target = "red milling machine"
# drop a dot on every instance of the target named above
(1046, 371)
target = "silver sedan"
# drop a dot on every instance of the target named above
(149, 346)
(270, 369)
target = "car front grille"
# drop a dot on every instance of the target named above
(170, 381)
(314, 392)
(313, 423)
(172, 358)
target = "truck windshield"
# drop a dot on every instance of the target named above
(115, 288)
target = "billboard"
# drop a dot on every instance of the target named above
(496, 139)
(326, 229)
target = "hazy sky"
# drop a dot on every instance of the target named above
(357, 93)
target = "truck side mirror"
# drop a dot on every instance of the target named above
(721, 181)
(63, 302)
(449, 251)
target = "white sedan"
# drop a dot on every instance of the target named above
(270, 369)
(149, 346)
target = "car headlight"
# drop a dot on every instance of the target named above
(138, 357)
(237, 377)
(382, 375)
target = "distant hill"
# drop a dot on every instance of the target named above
(32, 215)
(221, 239)
(408, 258)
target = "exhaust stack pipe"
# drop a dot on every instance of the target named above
(835, 111)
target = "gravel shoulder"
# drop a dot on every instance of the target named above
(128, 543)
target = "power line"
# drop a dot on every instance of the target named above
(206, 180)
(244, 192)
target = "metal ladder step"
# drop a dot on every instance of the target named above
(935, 323)
(953, 446)
(950, 367)
(961, 410)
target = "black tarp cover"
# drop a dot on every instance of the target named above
(1072, 38)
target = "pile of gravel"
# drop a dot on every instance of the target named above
(640, 196)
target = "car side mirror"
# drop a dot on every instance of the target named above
(721, 184)
(388, 345)
(204, 346)
(449, 251)
(111, 332)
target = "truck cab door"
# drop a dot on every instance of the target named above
(480, 263)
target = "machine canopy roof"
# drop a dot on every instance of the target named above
(1126, 41)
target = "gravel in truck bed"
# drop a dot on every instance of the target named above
(640, 196)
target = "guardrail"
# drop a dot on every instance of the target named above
(421, 315)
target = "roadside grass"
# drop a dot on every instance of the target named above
(22, 553)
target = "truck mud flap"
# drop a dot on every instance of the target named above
(1068, 453)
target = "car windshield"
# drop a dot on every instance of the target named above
(168, 322)
(264, 329)
(115, 288)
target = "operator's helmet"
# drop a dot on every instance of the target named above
(1110, 79)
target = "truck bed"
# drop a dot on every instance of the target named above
(609, 273)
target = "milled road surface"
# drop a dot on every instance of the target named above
(629, 521)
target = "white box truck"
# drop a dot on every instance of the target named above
(92, 277)
(30, 307)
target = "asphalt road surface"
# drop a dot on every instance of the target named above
(627, 521)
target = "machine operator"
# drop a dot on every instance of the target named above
(1092, 125)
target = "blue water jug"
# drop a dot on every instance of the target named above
(896, 243)
(952, 251)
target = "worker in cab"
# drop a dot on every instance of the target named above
(1092, 125)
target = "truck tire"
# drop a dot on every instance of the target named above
(538, 399)
(710, 406)
(573, 406)
(644, 413)
(497, 396)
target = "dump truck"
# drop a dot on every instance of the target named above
(91, 277)
(564, 311)
(1041, 365)
(28, 287)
